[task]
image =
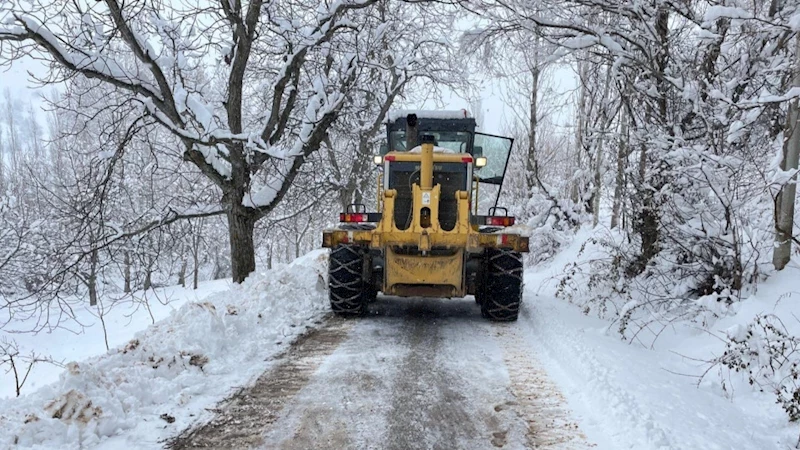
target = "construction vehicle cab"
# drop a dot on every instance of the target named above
(426, 238)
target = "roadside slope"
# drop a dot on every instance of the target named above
(626, 395)
(162, 380)
(83, 336)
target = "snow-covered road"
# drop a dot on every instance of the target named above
(414, 374)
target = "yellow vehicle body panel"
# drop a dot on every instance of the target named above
(439, 276)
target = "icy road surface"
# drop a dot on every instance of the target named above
(414, 374)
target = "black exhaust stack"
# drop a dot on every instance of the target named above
(411, 131)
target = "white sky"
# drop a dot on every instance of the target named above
(16, 79)
(495, 113)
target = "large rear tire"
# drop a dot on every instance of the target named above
(502, 293)
(372, 294)
(347, 290)
(480, 287)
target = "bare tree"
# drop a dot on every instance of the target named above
(280, 83)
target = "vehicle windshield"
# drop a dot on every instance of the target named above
(457, 141)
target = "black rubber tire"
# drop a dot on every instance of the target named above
(347, 290)
(480, 288)
(503, 288)
(371, 294)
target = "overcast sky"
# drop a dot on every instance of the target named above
(16, 79)
(494, 112)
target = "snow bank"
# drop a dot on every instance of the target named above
(628, 397)
(84, 336)
(663, 383)
(161, 381)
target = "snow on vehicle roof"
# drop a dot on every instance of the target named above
(418, 149)
(435, 114)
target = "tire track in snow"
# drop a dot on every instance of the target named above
(617, 403)
(243, 419)
(428, 407)
(539, 402)
(414, 374)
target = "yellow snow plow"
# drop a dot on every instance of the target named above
(427, 239)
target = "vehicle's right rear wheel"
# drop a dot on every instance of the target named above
(503, 288)
(480, 288)
(347, 290)
(372, 294)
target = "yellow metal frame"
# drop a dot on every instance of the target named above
(442, 275)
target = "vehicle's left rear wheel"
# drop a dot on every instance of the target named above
(347, 290)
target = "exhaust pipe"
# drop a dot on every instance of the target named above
(411, 131)
(426, 164)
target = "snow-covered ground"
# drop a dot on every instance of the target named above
(627, 396)
(163, 378)
(83, 337)
(620, 395)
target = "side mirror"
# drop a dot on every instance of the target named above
(477, 151)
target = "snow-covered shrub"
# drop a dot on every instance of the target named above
(769, 356)
(550, 224)
(545, 242)
(586, 281)
(698, 280)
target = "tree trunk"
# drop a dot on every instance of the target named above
(605, 120)
(576, 193)
(243, 254)
(216, 272)
(195, 271)
(531, 164)
(182, 273)
(598, 182)
(784, 204)
(346, 196)
(148, 277)
(126, 273)
(622, 159)
(92, 279)
(650, 183)
(195, 260)
(365, 175)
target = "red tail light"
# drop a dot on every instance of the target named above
(500, 221)
(359, 217)
(497, 221)
(352, 217)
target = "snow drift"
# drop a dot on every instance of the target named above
(726, 363)
(162, 381)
